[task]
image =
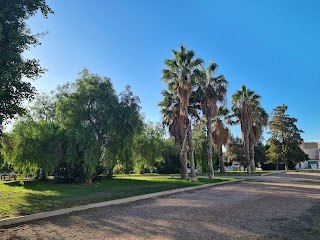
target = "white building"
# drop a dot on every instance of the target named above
(312, 149)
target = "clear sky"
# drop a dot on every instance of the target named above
(271, 46)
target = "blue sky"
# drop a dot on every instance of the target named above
(270, 46)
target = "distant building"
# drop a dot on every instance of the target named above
(312, 149)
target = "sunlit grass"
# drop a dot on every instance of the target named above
(35, 196)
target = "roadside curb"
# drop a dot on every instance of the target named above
(31, 217)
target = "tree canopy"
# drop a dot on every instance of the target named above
(15, 38)
(285, 140)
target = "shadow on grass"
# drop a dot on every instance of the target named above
(40, 196)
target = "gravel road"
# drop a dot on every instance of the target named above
(278, 206)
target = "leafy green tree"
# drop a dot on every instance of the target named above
(201, 146)
(235, 151)
(87, 110)
(129, 123)
(32, 147)
(285, 138)
(148, 146)
(170, 158)
(100, 126)
(260, 155)
(36, 143)
(212, 91)
(15, 38)
(180, 74)
(43, 107)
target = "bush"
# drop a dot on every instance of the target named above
(64, 173)
(272, 166)
(170, 165)
(281, 166)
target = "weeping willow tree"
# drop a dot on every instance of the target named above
(100, 126)
(181, 74)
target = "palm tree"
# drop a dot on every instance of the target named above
(260, 120)
(220, 135)
(244, 104)
(181, 74)
(170, 111)
(212, 91)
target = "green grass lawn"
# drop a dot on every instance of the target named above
(35, 196)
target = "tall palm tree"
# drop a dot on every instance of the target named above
(260, 120)
(181, 74)
(220, 135)
(244, 104)
(212, 91)
(170, 112)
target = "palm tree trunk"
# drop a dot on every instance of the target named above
(183, 156)
(193, 167)
(252, 162)
(247, 152)
(221, 162)
(209, 138)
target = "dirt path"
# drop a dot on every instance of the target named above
(280, 206)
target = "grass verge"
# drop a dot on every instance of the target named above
(35, 196)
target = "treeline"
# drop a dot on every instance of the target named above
(84, 129)
(195, 96)
(281, 150)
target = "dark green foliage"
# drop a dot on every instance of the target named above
(148, 146)
(170, 163)
(99, 125)
(128, 123)
(285, 139)
(15, 38)
(200, 147)
(235, 151)
(67, 173)
(82, 131)
(260, 155)
(32, 147)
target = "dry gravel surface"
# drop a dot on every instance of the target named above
(278, 206)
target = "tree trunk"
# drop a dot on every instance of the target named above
(184, 172)
(88, 180)
(183, 156)
(252, 162)
(277, 166)
(209, 138)
(193, 167)
(286, 166)
(247, 152)
(221, 162)
(110, 172)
